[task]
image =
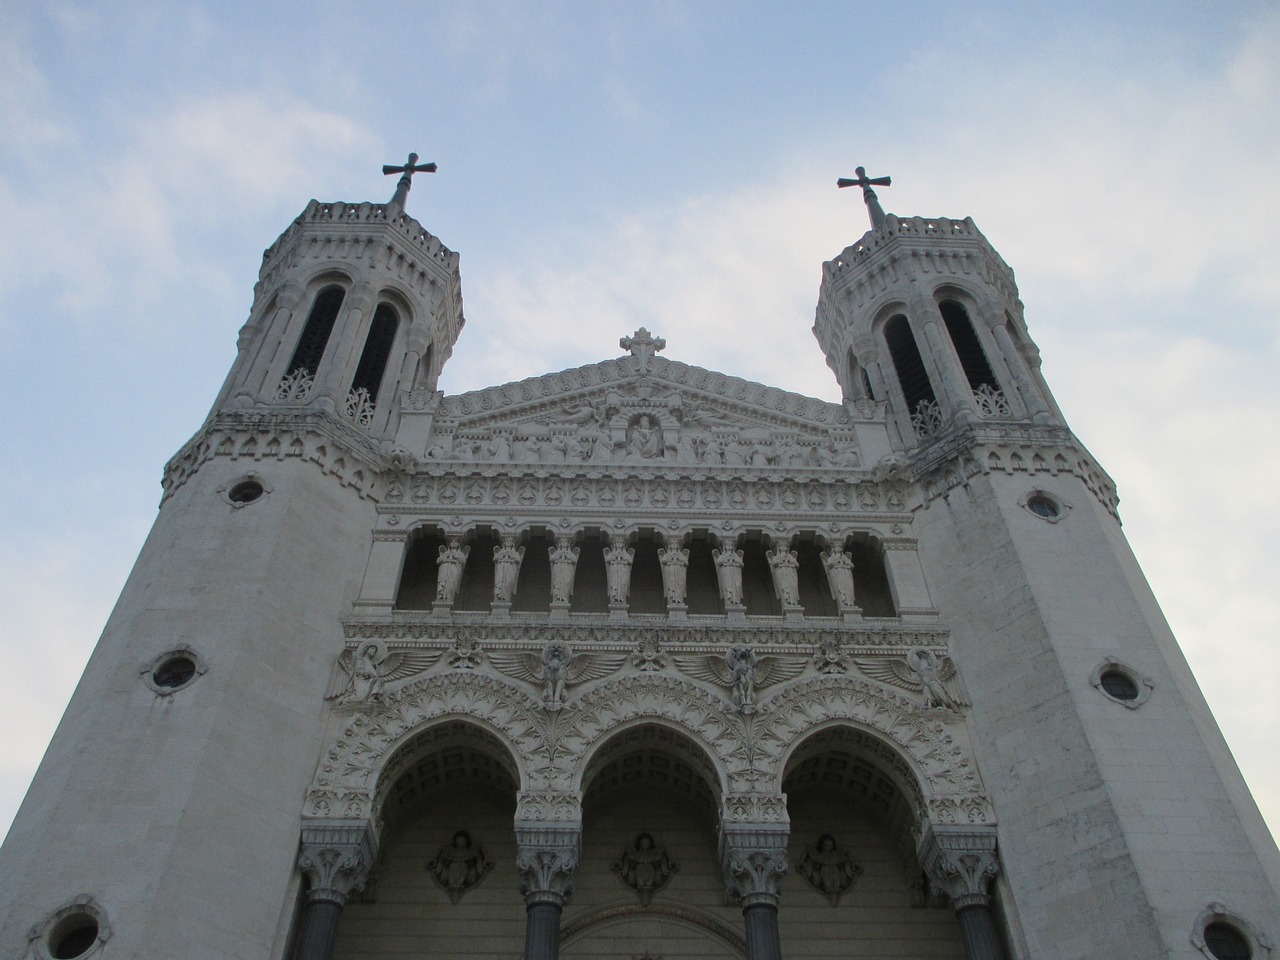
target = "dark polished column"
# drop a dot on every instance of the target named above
(962, 864)
(336, 859)
(754, 858)
(546, 857)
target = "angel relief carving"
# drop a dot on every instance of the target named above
(743, 672)
(938, 685)
(362, 674)
(556, 669)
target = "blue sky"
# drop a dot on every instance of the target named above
(607, 165)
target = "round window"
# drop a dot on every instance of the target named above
(1226, 942)
(1043, 506)
(1119, 684)
(175, 672)
(73, 936)
(246, 491)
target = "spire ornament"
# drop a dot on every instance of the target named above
(874, 209)
(407, 170)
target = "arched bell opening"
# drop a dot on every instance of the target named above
(855, 878)
(649, 882)
(475, 591)
(758, 593)
(420, 574)
(445, 803)
(533, 586)
(646, 574)
(871, 587)
(702, 588)
(815, 589)
(590, 582)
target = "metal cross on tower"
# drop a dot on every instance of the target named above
(409, 169)
(869, 195)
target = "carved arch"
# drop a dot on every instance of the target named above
(355, 762)
(709, 721)
(932, 768)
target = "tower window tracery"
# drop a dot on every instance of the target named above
(315, 335)
(973, 359)
(377, 349)
(917, 390)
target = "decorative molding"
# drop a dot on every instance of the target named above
(754, 859)
(961, 864)
(336, 857)
(546, 858)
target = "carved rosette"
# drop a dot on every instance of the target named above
(961, 864)
(546, 858)
(754, 859)
(336, 859)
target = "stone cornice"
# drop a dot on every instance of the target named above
(256, 435)
(423, 630)
(549, 392)
(968, 449)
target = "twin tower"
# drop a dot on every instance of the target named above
(636, 659)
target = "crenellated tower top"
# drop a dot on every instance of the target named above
(355, 305)
(923, 314)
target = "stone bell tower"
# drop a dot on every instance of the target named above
(163, 820)
(1100, 753)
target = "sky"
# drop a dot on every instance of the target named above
(605, 166)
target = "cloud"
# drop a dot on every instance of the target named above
(124, 230)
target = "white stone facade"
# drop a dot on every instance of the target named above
(636, 659)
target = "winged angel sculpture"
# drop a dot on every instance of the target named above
(742, 671)
(919, 672)
(365, 671)
(556, 668)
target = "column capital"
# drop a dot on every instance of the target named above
(336, 858)
(754, 859)
(546, 857)
(960, 863)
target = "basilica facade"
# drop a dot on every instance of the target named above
(638, 659)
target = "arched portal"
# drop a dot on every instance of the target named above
(649, 882)
(855, 878)
(445, 872)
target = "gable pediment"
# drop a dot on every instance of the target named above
(642, 408)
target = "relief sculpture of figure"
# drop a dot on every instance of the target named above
(617, 559)
(564, 561)
(602, 449)
(675, 569)
(729, 574)
(451, 561)
(930, 678)
(828, 869)
(686, 448)
(644, 867)
(646, 440)
(460, 866)
(786, 575)
(555, 668)
(840, 576)
(506, 569)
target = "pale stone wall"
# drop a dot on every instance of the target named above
(178, 813)
(1116, 825)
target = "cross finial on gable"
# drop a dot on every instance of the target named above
(642, 344)
(408, 170)
(874, 210)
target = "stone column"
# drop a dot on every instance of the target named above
(506, 574)
(546, 858)
(564, 564)
(729, 576)
(336, 859)
(839, 567)
(962, 864)
(262, 374)
(675, 574)
(617, 564)
(754, 859)
(954, 394)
